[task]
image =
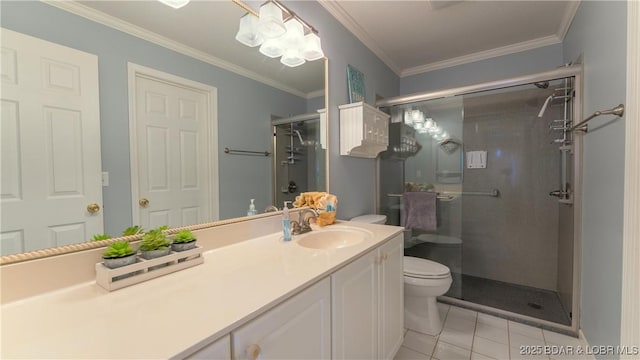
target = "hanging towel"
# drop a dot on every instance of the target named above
(419, 210)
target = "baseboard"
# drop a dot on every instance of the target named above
(585, 345)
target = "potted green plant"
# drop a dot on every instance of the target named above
(132, 230)
(183, 240)
(100, 237)
(155, 244)
(117, 254)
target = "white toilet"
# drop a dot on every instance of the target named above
(424, 280)
(371, 219)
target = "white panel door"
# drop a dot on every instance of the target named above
(172, 145)
(391, 297)
(51, 167)
(355, 309)
(299, 328)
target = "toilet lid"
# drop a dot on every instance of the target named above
(370, 219)
(424, 269)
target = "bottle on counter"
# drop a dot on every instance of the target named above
(286, 222)
(252, 208)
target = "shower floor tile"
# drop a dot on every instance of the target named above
(538, 303)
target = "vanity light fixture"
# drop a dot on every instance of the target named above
(292, 39)
(176, 4)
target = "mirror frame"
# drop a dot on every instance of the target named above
(89, 245)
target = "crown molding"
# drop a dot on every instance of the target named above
(572, 8)
(483, 55)
(334, 8)
(315, 94)
(144, 34)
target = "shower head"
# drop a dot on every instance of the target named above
(542, 84)
(304, 142)
(544, 106)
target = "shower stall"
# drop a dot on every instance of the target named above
(299, 156)
(506, 168)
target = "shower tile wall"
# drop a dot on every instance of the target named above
(514, 237)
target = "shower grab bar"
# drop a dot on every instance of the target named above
(583, 126)
(439, 196)
(245, 152)
(450, 194)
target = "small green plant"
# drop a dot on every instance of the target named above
(155, 239)
(118, 249)
(183, 236)
(99, 237)
(132, 230)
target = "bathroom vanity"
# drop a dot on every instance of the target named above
(337, 294)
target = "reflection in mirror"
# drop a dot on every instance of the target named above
(250, 90)
(299, 149)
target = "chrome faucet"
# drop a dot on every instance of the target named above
(302, 225)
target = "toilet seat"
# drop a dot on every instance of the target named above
(424, 269)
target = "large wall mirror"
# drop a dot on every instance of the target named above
(133, 42)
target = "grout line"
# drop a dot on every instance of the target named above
(509, 338)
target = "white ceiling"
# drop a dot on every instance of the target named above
(413, 37)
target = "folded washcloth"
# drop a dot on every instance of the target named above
(419, 211)
(324, 203)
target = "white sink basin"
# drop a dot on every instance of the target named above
(334, 238)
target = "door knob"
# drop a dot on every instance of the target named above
(143, 202)
(93, 208)
(253, 351)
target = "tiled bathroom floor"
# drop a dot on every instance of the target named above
(476, 336)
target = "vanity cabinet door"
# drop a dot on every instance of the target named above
(368, 304)
(218, 350)
(355, 309)
(299, 328)
(391, 297)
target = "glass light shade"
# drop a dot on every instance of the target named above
(417, 116)
(270, 25)
(418, 125)
(292, 43)
(272, 48)
(312, 48)
(407, 117)
(176, 4)
(248, 31)
(429, 123)
(292, 58)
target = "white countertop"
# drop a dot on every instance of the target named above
(178, 313)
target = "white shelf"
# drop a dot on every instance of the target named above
(364, 130)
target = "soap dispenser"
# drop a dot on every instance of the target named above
(252, 208)
(286, 222)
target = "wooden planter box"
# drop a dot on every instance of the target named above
(113, 279)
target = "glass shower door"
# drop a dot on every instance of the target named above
(495, 159)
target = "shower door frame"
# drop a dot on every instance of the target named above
(575, 71)
(284, 121)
